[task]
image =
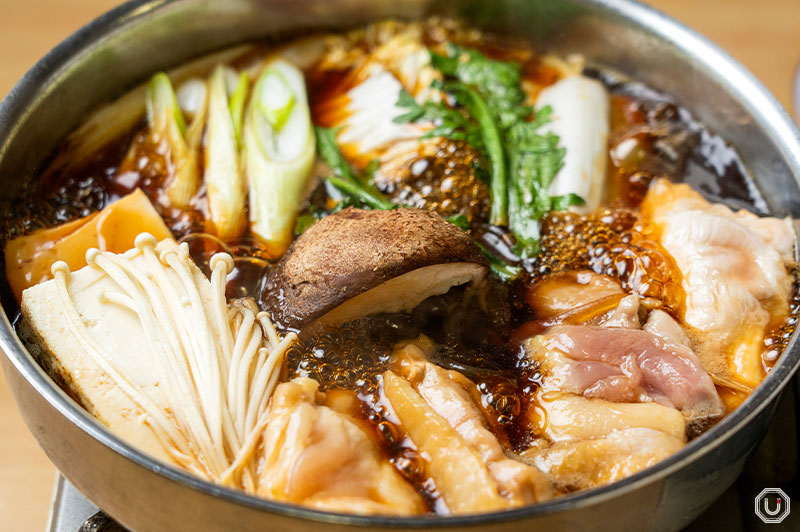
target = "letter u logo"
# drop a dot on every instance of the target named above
(772, 512)
(781, 509)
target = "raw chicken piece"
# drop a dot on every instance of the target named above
(625, 365)
(321, 458)
(591, 442)
(735, 276)
(625, 316)
(665, 327)
(574, 465)
(572, 417)
(608, 405)
(438, 409)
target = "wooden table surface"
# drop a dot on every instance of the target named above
(765, 36)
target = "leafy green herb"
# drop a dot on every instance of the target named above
(490, 114)
(460, 221)
(330, 153)
(497, 81)
(346, 180)
(447, 121)
(500, 268)
(361, 193)
(492, 143)
(304, 221)
(314, 214)
(534, 160)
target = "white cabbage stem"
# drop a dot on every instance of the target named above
(581, 120)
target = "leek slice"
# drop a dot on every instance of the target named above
(110, 122)
(236, 104)
(279, 153)
(192, 96)
(166, 123)
(278, 101)
(225, 190)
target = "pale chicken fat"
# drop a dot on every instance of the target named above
(625, 316)
(665, 327)
(319, 457)
(448, 393)
(571, 417)
(735, 275)
(589, 463)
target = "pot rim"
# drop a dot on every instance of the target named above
(751, 93)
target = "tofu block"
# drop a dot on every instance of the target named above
(46, 332)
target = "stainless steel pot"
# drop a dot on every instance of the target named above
(124, 46)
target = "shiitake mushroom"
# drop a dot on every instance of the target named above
(356, 263)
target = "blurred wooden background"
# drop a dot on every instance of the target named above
(764, 36)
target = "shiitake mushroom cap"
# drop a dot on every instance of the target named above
(357, 262)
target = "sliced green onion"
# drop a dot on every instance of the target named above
(225, 189)
(500, 268)
(460, 221)
(361, 194)
(276, 100)
(492, 140)
(166, 123)
(236, 105)
(278, 160)
(163, 112)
